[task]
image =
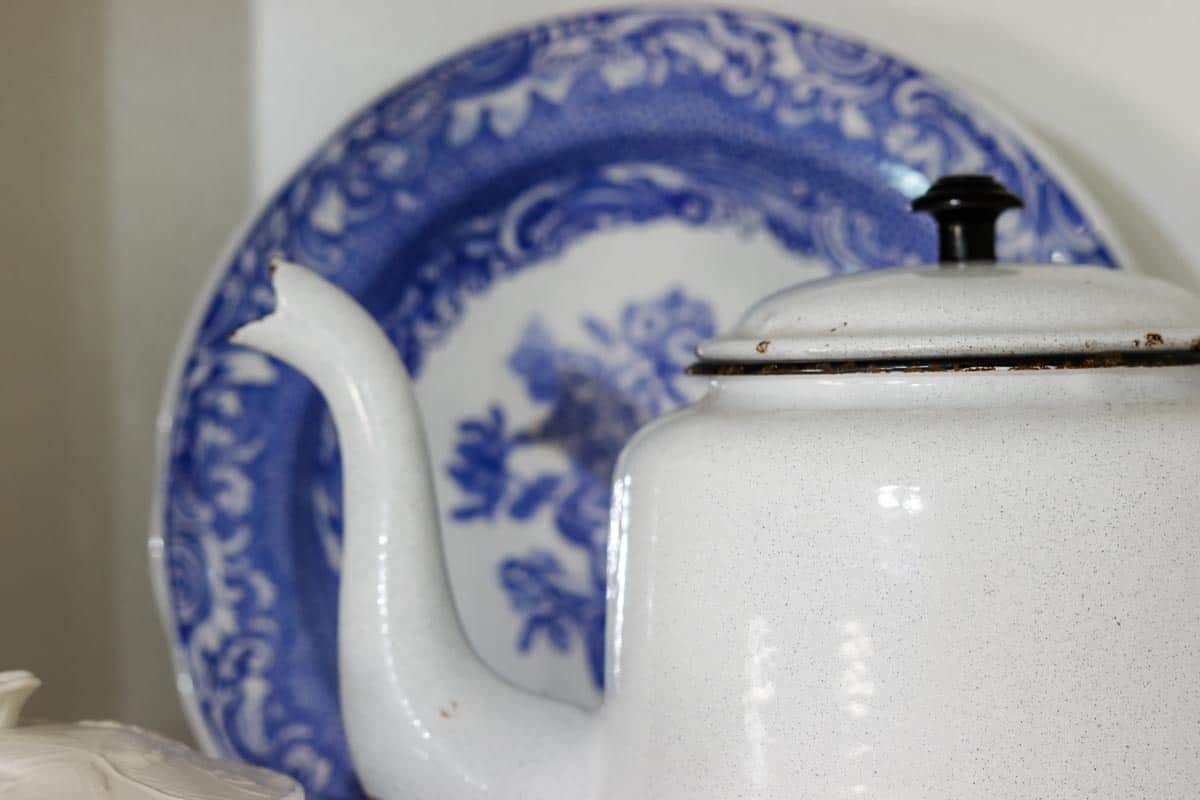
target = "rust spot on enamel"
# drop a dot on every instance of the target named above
(762, 346)
(1153, 339)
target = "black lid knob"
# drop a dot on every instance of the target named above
(966, 208)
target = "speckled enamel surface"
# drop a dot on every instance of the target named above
(954, 585)
(896, 586)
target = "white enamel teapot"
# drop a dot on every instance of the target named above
(108, 761)
(932, 533)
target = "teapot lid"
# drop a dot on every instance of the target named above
(967, 311)
(106, 760)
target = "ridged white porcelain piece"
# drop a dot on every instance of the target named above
(109, 761)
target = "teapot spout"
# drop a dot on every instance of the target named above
(423, 715)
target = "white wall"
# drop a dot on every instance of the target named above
(1109, 83)
(134, 134)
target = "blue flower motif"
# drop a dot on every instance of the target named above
(535, 360)
(594, 401)
(665, 335)
(540, 590)
(481, 470)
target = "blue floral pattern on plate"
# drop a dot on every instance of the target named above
(597, 400)
(484, 166)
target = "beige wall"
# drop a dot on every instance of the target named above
(134, 133)
(56, 499)
(125, 161)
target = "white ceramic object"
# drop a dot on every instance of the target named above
(951, 556)
(108, 761)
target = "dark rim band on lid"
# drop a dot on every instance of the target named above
(1136, 358)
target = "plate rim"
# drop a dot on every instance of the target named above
(976, 98)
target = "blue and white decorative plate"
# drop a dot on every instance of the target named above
(546, 225)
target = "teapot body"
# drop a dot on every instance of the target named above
(930, 534)
(941, 544)
(912, 585)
